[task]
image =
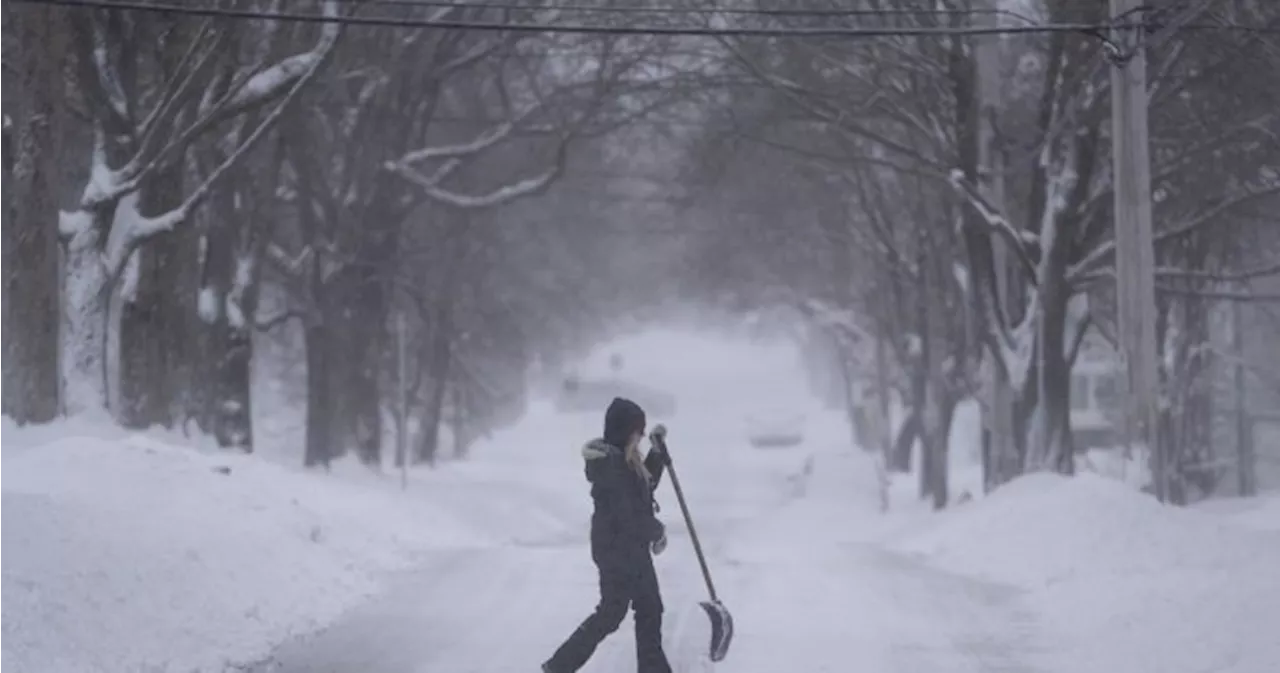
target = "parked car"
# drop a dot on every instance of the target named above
(775, 428)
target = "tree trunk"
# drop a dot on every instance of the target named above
(1049, 440)
(319, 435)
(1048, 443)
(1197, 466)
(433, 414)
(159, 332)
(464, 424)
(87, 318)
(1002, 460)
(1187, 422)
(440, 361)
(31, 309)
(7, 230)
(927, 448)
(854, 411)
(936, 439)
(367, 407)
(368, 331)
(212, 334)
(234, 422)
(907, 435)
(157, 316)
(227, 305)
(922, 378)
(354, 341)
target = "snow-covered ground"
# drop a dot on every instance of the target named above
(813, 589)
(134, 552)
(1122, 582)
(140, 552)
(508, 607)
(126, 552)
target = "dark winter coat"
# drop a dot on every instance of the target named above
(623, 524)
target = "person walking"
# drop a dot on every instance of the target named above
(625, 536)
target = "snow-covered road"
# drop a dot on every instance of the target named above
(809, 591)
(813, 592)
(138, 552)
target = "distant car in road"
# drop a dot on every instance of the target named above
(775, 428)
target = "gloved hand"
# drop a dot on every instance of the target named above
(659, 543)
(658, 443)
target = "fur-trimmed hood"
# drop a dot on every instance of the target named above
(598, 448)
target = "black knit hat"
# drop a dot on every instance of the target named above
(622, 419)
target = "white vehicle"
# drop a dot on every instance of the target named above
(775, 428)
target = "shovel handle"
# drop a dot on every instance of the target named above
(659, 438)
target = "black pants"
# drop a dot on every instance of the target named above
(633, 585)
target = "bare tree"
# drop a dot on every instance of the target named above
(154, 85)
(33, 124)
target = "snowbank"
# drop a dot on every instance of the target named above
(127, 553)
(1129, 584)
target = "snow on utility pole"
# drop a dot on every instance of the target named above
(1135, 247)
(1002, 454)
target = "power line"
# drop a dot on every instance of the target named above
(566, 28)
(818, 12)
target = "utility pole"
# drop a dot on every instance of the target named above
(1135, 246)
(1002, 453)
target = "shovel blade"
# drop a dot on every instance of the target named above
(721, 628)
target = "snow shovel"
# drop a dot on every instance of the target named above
(721, 620)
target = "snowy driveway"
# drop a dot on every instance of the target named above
(807, 596)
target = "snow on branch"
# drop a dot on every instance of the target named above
(996, 222)
(429, 168)
(430, 186)
(271, 81)
(482, 142)
(106, 184)
(152, 152)
(140, 228)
